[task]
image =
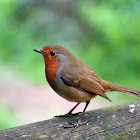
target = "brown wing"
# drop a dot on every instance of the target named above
(92, 86)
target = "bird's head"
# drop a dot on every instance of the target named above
(55, 54)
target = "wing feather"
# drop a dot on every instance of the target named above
(91, 85)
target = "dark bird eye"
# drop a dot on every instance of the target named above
(52, 53)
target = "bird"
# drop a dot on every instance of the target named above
(75, 81)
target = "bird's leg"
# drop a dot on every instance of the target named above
(75, 125)
(69, 114)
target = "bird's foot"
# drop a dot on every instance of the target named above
(68, 115)
(75, 125)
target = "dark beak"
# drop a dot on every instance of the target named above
(39, 51)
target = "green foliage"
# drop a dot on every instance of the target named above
(8, 118)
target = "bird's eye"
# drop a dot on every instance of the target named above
(52, 53)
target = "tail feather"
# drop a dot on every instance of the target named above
(112, 87)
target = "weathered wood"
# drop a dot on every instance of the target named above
(121, 122)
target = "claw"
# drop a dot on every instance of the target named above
(69, 115)
(75, 125)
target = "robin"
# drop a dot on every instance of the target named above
(74, 80)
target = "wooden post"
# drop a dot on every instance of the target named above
(118, 122)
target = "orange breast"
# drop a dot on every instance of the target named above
(51, 74)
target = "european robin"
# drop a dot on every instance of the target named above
(74, 80)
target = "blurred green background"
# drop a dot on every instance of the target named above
(104, 34)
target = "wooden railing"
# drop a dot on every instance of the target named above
(119, 122)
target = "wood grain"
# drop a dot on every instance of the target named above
(118, 122)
